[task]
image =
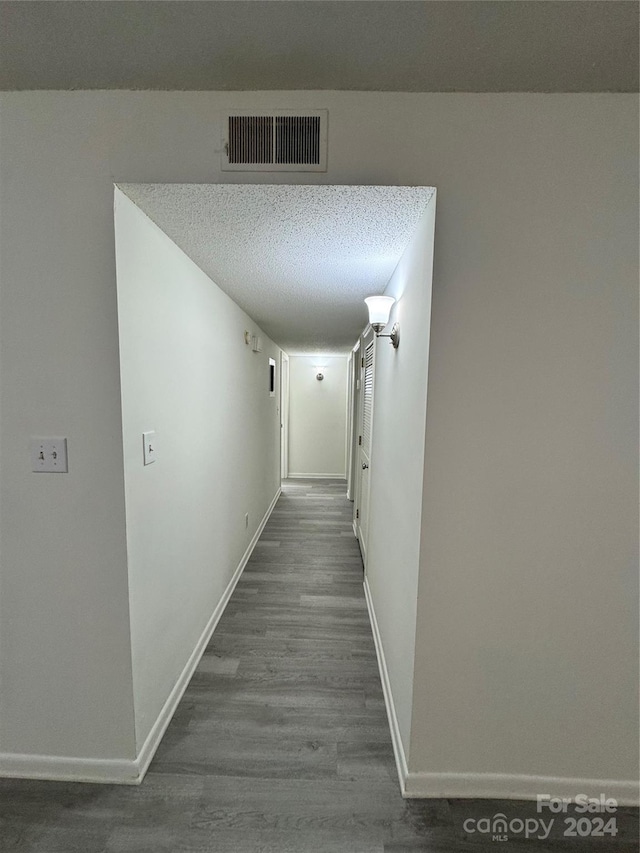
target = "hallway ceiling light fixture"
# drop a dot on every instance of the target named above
(379, 310)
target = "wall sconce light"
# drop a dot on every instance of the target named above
(379, 310)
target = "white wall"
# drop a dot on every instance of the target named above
(65, 652)
(187, 373)
(527, 617)
(318, 416)
(530, 511)
(397, 464)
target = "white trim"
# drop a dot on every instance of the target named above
(396, 739)
(64, 769)
(504, 786)
(349, 428)
(317, 476)
(284, 415)
(130, 771)
(501, 786)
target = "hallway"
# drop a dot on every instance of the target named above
(281, 742)
(288, 687)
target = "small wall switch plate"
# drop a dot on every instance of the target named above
(49, 455)
(149, 447)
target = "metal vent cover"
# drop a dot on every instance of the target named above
(278, 141)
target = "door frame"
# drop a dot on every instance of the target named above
(352, 422)
(284, 415)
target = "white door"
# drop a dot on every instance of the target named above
(284, 415)
(364, 441)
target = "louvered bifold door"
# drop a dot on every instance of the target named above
(364, 457)
(367, 399)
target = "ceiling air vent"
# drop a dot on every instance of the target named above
(280, 141)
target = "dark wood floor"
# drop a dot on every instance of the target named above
(281, 742)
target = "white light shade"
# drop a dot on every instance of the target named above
(379, 309)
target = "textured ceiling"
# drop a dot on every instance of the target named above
(385, 45)
(298, 259)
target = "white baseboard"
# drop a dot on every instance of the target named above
(317, 476)
(396, 740)
(63, 769)
(503, 786)
(123, 771)
(500, 786)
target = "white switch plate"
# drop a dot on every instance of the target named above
(49, 455)
(149, 447)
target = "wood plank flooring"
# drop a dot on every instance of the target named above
(281, 742)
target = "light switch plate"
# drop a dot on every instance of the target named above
(149, 447)
(49, 455)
